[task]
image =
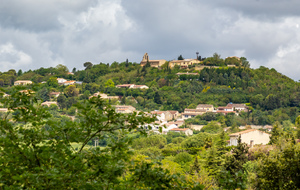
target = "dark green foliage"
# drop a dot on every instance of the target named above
(195, 141)
(158, 141)
(213, 161)
(180, 57)
(172, 135)
(275, 134)
(157, 98)
(238, 158)
(221, 144)
(28, 150)
(280, 170)
(88, 65)
(232, 61)
(233, 174)
(43, 94)
(196, 166)
(62, 101)
(212, 128)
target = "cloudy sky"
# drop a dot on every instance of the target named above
(36, 33)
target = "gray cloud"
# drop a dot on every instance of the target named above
(72, 32)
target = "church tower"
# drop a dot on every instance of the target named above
(145, 58)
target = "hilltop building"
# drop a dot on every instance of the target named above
(183, 63)
(153, 63)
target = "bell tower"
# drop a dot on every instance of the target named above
(145, 58)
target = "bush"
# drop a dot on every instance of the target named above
(213, 128)
(152, 152)
(157, 141)
(183, 157)
(195, 141)
(177, 140)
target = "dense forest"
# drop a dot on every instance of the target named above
(43, 148)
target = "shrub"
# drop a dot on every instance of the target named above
(183, 157)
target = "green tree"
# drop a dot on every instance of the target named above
(196, 166)
(1, 82)
(157, 141)
(297, 122)
(62, 101)
(221, 144)
(44, 94)
(88, 65)
(180, 57)
(20, 72)
(275, 134)
(279, 170)
(157, 98)
(195, 141)
(183, 157)
(213, 128)
(62, 69)
(52, 81)
(71, 91)
(245, 62)
(213, 161)
(37, 152)
(109, 83)
(233, 174)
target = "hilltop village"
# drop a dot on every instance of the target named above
(182, 120)
(213, 122)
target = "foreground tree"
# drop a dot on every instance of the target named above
(233, 174)
(280, 169)
(37, 152)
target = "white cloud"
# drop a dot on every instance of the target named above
(44, 34)
(11, 58)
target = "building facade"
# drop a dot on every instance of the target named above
(153, 63)
(250, 137)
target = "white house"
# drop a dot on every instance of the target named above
(61, 80)
(225, 108)
(48, 103)
(3, 109)
(22, 82)
(167, 127)
(186, 131)
(103, 96)
(139, 86)
(207, 107)
(163, 115)
(55, 94)
(69, 82)
(125, 85)
(124, 109)
(238, 107)
(250, 137)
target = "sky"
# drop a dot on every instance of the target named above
(46, 33)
